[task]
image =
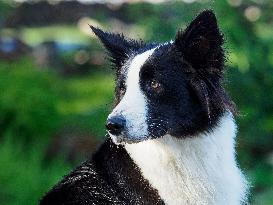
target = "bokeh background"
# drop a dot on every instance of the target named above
(56, 85)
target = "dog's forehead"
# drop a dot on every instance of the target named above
(134, 64)
(146, 56)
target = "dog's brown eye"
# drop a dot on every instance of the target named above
(155, 85)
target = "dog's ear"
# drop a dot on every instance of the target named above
(201, 44)
(118, 46)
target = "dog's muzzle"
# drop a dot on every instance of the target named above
(115, 125)
(118, 130)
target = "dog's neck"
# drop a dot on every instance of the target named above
(197, 170)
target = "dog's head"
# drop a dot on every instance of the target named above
(172, 88)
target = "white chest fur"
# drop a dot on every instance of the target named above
(199, 170)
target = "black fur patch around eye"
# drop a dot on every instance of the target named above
(191, 70)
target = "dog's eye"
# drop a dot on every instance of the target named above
(155, 85)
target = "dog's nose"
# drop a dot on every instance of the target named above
(115, 125)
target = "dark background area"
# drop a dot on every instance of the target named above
(56, 85)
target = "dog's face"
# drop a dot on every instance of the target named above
(172, 88)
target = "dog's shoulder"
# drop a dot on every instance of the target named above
(109, 177)
(84, 185)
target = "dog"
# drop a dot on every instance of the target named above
(171, 133)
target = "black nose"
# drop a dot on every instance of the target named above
(115, 125)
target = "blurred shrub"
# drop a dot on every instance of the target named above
(24, 176)
(5, 8)
(28, 101)
(85, 101)
(250, 77)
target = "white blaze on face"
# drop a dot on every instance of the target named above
(133, 106)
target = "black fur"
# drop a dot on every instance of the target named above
(182, 84)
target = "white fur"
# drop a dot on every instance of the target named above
(201, 170)
(133, 105)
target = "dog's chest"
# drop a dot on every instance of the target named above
(199, 170)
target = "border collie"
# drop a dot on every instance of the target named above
(171, 133)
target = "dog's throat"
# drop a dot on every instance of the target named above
(197, 170)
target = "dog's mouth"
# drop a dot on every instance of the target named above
(124, 138)
(122, 131)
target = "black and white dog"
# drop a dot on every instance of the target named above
(172, 129)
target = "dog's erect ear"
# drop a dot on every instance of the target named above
(201, 44)
(117, 45)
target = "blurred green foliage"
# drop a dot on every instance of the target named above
(36, 103)
(28, 101)
(24, 175)
(86, 101)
